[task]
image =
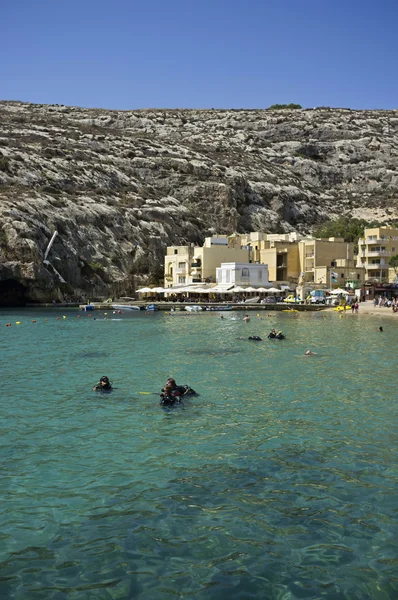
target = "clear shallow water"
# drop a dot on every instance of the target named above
(280, 481)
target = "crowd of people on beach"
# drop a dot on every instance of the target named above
(384, 301)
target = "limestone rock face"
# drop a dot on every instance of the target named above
(120, 186)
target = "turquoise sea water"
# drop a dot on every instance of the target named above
(278, 482)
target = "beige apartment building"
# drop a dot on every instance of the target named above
(278, 250)
(375, 250)
(291, 259)
(191, 264)
(330, 262)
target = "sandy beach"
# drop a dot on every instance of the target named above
(367, 308)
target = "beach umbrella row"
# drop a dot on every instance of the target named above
(202, 290)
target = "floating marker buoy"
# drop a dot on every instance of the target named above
(33, 320)
(105, 313)
(18, 323)
(64, 317)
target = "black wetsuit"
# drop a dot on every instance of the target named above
(103, 388)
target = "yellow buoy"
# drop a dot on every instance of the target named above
(18, 323)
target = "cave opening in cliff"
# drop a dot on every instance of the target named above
(12, 293)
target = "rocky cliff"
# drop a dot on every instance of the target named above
(119, 186)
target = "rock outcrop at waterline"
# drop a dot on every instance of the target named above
(119, 186)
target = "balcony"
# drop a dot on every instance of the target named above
(381, 240)
(181, 271)
(196, 265)
(376, 240)
(378, 253)
(378, 266)
(309, 254)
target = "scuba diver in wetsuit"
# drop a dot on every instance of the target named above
(172, 393)
(104, 385)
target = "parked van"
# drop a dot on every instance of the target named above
(318, 297)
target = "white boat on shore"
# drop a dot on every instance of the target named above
(193, 308)
(126, 307)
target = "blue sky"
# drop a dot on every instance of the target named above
(126, 54)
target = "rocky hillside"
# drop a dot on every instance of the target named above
(119, 186)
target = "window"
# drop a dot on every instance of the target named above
(245, 273)
(181, 265)
(342, 276)
(260, 276)
(393, 249)
(175, 251)
(181, 279)
(358, 276)
(228, 277)
(333, 263)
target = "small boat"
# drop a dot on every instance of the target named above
(222, 307)
(193, 308)
(88, 307)
(126, 307)
(152, 307)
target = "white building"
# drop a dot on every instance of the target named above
(242, 274)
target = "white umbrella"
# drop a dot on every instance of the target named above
(144, 290)
(251, 289)
(340, 291)
(158, 290)
(273, 290)
(261, 289)
(238, 288)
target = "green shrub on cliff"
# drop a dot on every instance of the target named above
(349, 229)
(284, 106)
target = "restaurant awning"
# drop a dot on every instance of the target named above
(221, 289)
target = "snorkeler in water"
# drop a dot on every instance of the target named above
(104, 385)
